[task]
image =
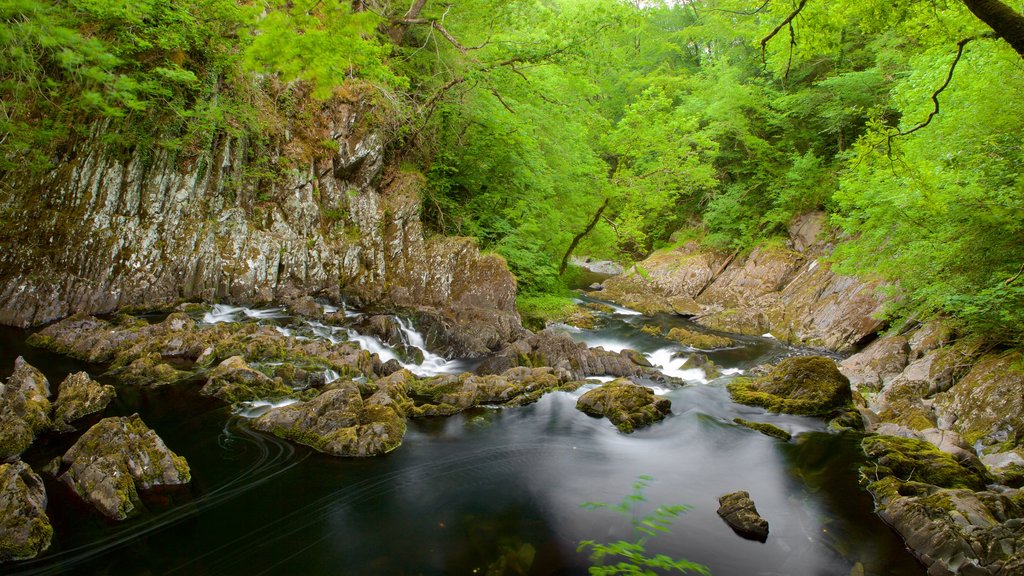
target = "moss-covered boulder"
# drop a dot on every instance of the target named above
(25, 529)
(987, 406)
(917, 460)
(79, 396)
(808, 385)
(234, 381)
(450, 394)
(627, 405)
(765, 428)
(739, 512)
(698, 340)
(115, 460)
(344, 420)
(24, 408)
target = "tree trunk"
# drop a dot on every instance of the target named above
(1007, 23)
(580, 236)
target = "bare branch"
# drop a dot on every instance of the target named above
(783, 24)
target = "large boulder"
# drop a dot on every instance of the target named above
(879, 363)
(234, 381)
(25, 529)
(24, 408)
(79, 396)
(343, 421)
(809, 385)
(739, 512)
(450, 394)
(627, 405)
(115, 460)
(986, 406)
(555, 348)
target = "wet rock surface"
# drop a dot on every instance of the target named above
(24, 408)
(698, 340)
(115, 460)
(25, 530)
(627, 405)
(765, 428)
(79, 396)
(234, 381)
(450, 394)
(739, 512)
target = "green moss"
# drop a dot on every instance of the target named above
(698, 340)
(809, 386)
(910, 459)
(765, 428)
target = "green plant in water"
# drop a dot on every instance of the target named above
(631, 556)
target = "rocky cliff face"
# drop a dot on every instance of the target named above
(789, 291)
(100, 233)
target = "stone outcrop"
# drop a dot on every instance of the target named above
(234, 381)
(104, 232)
(24, 408)
(951, 522)
(987, 405)
(555, 348)
(25, 529)
(626, 405)
(809, 385)
(342, 422)
(450, 394)
(698, 340)
(79, 396)
(115, 460)
(788, 291)
(739, 512)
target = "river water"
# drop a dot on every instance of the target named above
(479, 490)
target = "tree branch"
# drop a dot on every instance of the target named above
(783, 24)
(576, 239)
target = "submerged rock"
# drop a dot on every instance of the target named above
(765, 428)
(739, 512)
(627, 405)
(117, 458)
(79, 396)
(25, 529)
(24, 408)
(234, 381)
(810, 385)
(342, 422)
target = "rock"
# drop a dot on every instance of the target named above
(556, 349)
(986, 406)
(79, 396)
(305, 306)
(450, 394)
(912, 459)
(598, 266)
(809, 385)
(928, 337)
(765, 428)
(628, 406)
(24, 408)
(739, 512)
(115, 460)
(879, 363)
(701, 361)
(341, 422)
(956, 531)
(698, 340)
(234, 381)
(806, 229)
(25, 529)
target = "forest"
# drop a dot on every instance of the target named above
(604, 128)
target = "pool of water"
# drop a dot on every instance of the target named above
(486, 487)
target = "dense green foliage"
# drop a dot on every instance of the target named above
(692, 119)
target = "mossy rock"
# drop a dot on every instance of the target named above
(909, 459)
(79, 396)
(24, 408)
(765, 428)
(25, 530)
(807, 385)
(627, 405)
(234, 381)
(698, 340)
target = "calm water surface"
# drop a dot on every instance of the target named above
(485, 486)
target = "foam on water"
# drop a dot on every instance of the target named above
(258, 408)
(664, 361)
(732, 371)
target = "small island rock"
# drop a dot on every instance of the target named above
(24, 408)
(738, 510)
(25, 530)
(78, 396)
(627, 405)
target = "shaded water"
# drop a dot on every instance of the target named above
(467, 491)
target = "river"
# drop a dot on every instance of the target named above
(484, 488)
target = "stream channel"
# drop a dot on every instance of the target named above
(483, 489)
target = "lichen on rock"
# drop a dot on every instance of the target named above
(25, 530)
(627, 405)
(24, 408)
(808, 385)
(79, 396)
(450, 394)
(234, 381)
(115, 460)
(699, 340)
